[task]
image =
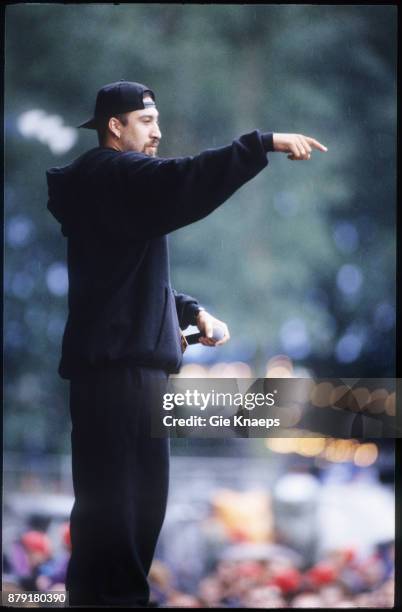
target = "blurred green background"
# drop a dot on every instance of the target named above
(301, 261)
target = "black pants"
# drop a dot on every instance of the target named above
(120, 479)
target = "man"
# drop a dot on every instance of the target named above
(116, 204)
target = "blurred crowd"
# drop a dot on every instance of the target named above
(342, 578)
(305, 540)
(36, 562)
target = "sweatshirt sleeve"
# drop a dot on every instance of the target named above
(155, 196)
(187, 308)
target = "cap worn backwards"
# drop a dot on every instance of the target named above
(119, 97)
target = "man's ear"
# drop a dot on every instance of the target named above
(114, 126)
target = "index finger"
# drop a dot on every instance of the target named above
(315, 143)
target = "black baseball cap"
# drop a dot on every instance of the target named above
(118, 97)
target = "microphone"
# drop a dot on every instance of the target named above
(217, 334)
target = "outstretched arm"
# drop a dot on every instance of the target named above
(154, 196)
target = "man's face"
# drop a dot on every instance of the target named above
(142, 133)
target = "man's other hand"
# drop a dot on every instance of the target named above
(299, 146)
(206, 324)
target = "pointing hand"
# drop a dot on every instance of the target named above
(298, 146)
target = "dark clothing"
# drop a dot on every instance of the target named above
(121, 341)
(116, 209)
(120, 477)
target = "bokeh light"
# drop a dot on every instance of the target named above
(376, 403)
(279, 366)
(349, 347)
(57, 279)
(48, 129)
(349, 279)
(390, 404)
(19, 231)
(295, 338)
(366, 454)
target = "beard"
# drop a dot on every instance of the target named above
(151, 149)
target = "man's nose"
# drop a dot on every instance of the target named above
(156, 133)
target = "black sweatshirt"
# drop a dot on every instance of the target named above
(115, 208)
